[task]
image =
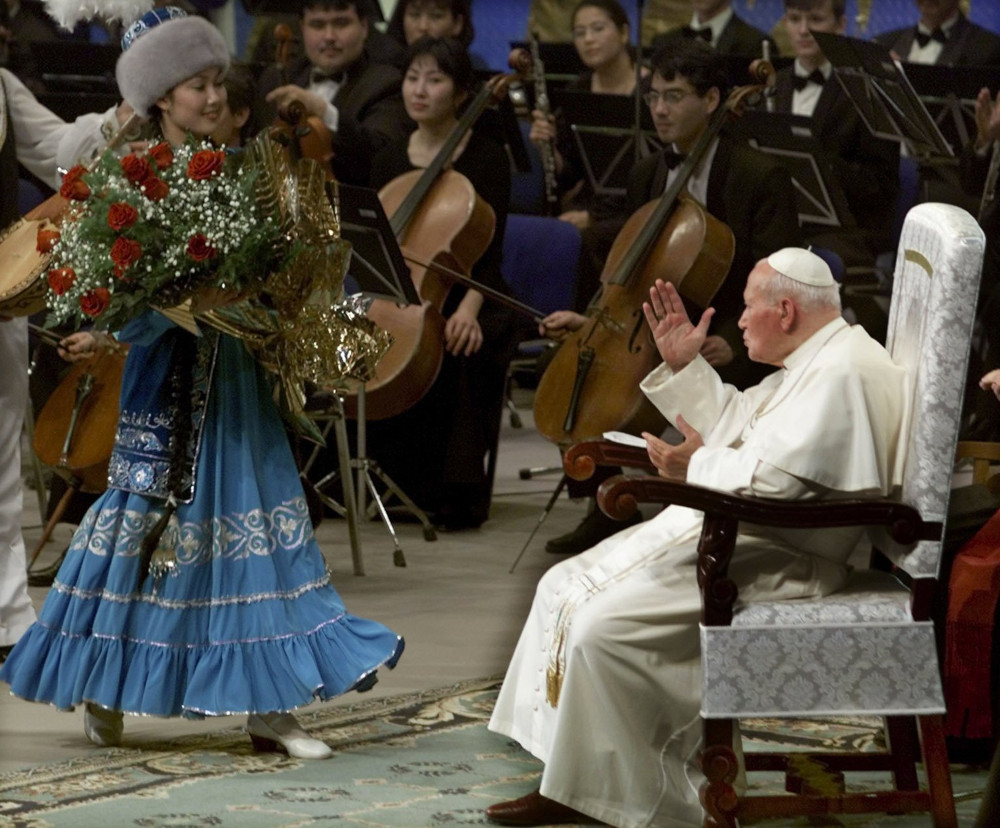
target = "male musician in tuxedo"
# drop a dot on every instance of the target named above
(745, 189)
(714, 22)
(866, 167)
(943, 36)
(358, 100)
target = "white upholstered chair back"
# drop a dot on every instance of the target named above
(934, 295)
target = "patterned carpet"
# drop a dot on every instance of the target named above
(401, 762)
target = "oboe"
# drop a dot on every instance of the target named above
(546, 149)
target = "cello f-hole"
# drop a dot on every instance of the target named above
(634, 345)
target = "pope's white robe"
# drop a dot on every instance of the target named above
(620, 621)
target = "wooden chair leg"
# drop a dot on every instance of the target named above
(905, 749)
(720, 766)
(938, 775)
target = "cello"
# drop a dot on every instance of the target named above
(592, 383)
(75, 430)
(443, 227)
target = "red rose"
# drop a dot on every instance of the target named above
(200, 248)
(121, 216)
(93, 302)
(155, 189)
(61, 279)
(205, 163)
(136, 169)
(73, 186)
(162, 155)
(125, 252)
(46, 239)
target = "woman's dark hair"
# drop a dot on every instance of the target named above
(694, 60)
(451, 56)
(612, 8)
(458, 8)
(241, 93)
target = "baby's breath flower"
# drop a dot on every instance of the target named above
(172, 209)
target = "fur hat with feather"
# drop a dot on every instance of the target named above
(162, 48)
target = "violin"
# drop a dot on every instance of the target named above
(304, 135)
(592, 383)
(443, 227)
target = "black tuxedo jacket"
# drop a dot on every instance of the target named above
(967, 45)
(371, 114)
(753, 195)
(866, 167)
(737, 38)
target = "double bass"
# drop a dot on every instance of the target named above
(592, 383)
(443, 227)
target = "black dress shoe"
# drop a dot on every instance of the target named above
(535, 809)
(594, 528)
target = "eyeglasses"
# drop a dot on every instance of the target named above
(669, 97)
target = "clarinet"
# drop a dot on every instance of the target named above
(546, 150)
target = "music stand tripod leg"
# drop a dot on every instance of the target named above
(72, 488)
(350, 501)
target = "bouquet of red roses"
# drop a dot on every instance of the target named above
(149, 230)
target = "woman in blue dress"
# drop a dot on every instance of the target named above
(246, 620)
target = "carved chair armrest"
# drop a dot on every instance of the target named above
(620, 495)
(582, 459)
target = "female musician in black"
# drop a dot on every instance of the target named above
(436, 451)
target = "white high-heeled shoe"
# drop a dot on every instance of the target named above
(103, 727)
(269, 731)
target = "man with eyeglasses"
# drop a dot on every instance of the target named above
(741, 187)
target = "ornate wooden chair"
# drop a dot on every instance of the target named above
(868, 649)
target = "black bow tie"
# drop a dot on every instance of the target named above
(319, 77)
(672, 158)
(937, 34)
(801, 81)
(705, 34)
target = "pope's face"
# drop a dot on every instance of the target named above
(760, 322)
(333, 40)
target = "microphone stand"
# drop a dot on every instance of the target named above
(637, 92)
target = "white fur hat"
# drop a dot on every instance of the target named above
(161, 49)
(802, 265)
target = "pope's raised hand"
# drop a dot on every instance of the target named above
(677, 339)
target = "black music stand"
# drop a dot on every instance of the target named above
(605, 136)
(819, 198)
(884, 97)
(378, 271)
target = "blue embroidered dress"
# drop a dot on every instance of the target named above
(248, 621)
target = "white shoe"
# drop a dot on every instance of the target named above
(103, 727)
(268, 731)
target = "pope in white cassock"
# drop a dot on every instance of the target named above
(604, 686)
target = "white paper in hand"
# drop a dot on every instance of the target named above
(625, 439)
